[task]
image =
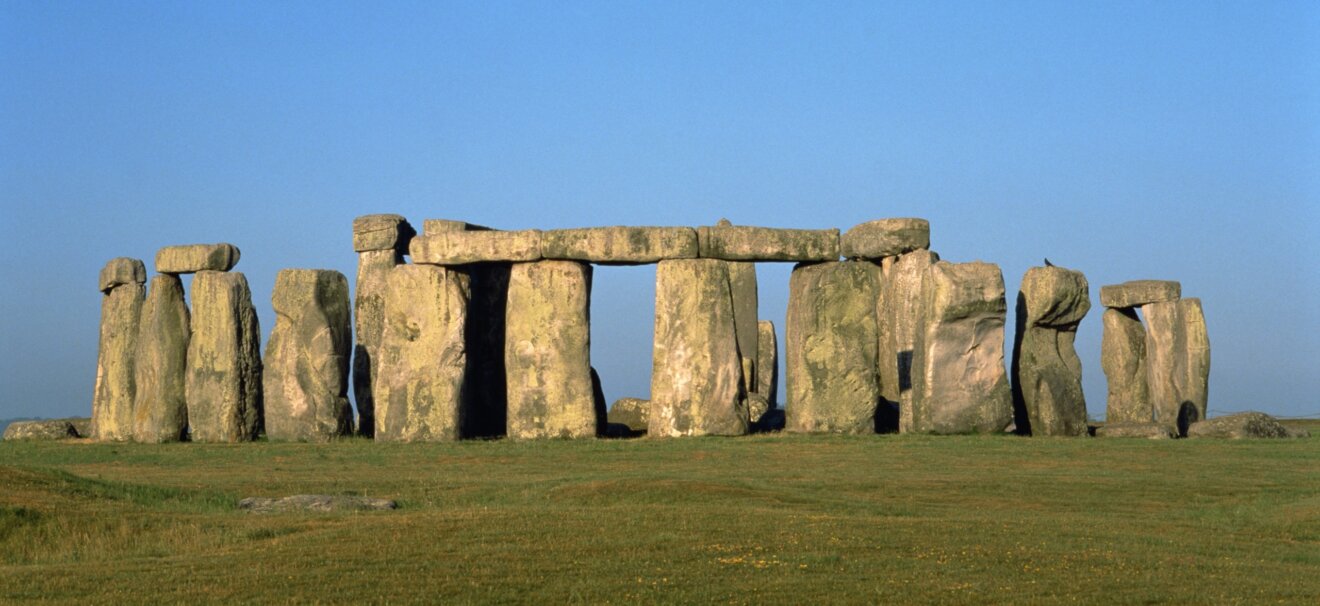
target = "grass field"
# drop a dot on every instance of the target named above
(762, 519)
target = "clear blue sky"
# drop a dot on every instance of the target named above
(1128, 140)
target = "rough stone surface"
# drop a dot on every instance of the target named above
(632, 412)
(192, 258)
(876, 240)
(306, 368)
(223, 381)
(959, 381)
(1139, 292)
(420, 382)
(620, 245)
(121, 270)
(1238, 426)
(898, 314)
(1047, 374)
(52, 429)
(757, 407)
(742, 285)
(745, 243)
(315, 503)
(831, 347)
(1152, 431)
(431, 226)
(547, 356)
(1177, 362)
(369, 325)
(767, 362)
(463, 247)
(382, 232)
(696, 373)
(1123, 359)
(115, 389)
(160, 408)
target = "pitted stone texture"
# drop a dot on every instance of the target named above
(875, 240)
(1139, 292)
(223, 382)
(696, 373)
(463, 247)
(420, 384)
(1047, 374)
(745, 243)
(1123, 359)
(121, 270)
(767, 362)
(1177, 362)
(620, 245)
(52, 429)
(115, 390)
(830, 350)
(382, 232)
(193, 258)
(959, 382)
(431, 226)
(369, 325)
(547, 355)
(898, 316)
(160, 409)
(742, 285)
(1150, 431)
(305, 371)
(1239, 426)
(632, 412)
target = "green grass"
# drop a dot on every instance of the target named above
(763, 519)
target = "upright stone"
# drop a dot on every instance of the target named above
(223, 384)
(1123, 359)
(742, 283)
(767, 362)
(831, 347)
(899, 317)
(547, 354)
(160, 409)
(121, 309)
(1178, 362)
(380, 241)
(959, 382)
(696, 373)
(420, 384)
(1047, 374)
(305, 371)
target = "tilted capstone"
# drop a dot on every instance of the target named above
(1047, 374)
(120, 282)
(380, 241)
(223, 381)
(305, 371)
(876, 240)
(160, 409)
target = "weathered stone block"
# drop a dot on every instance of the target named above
(1139, 292)
(431, 226)
(620, 245)
(115, 389)
(463, 247)
(631, 412)
(50, 429)
(1177, 362)
(306, 368)
(160, 409)
(122, 270)
(1123, 359)
(192, 258)
(875, 240)
(767, 362)
(1239, 426)
(223, 382)
(745, 243)
(382, 232)
(898, 316)
(742, 285)
(369, 321)
(1047, 374)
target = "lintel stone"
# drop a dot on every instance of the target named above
(1139, 292)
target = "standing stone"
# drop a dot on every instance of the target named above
(831, 348)
(696, 373)
(742, 283)
(1047, 374)
(422, 357)
(899, 320)
(223, 384)
(305, 371)
(1123, 359)
(1178, 362)
(767, 362)
(547, 354)
(959, 382)
(380, 241)
(160, 409)
(121, 308)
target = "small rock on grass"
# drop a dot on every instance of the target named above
(316, 503)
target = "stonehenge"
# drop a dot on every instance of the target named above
(306, 366)
(160, 408)
(380, 242)
(123, 294)
(1047, 374)
(223, 379)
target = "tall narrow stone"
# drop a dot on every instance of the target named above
(305, 371)
(223, 384)
(1123, 359)
(959, 381)
(380, 241)
(422, 357)
(831, 347)
(1047, 374)
(160, 409)
(899, 316)
(696, 373)
(121, 308)
(767, 362)
(1178, 362)
(742, 283)
(547, 354)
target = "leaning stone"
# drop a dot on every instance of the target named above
(1152, 431)
(696, 373)
(315, 503)
(122, 270)
(898, 316)
(745, 243)
(112, 399)
(620, 245)
(369, 325)
(830, 351)
(959, 382)
(1238, 426)
(192, 258)
(1047, 374)
(463, 247)
(305, 371)
(382, 232)
(1123, 359)
(223, 382)
(1139, 292)
(632, 412)
(160, 409)
(420, 383)
(767, 362)
(547, 355)
(742, 285)
(875, 240)
(1178, 362)
(53, 429)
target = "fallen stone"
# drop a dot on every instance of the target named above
(1152, 431)
(1047, 374)
(192, 258)
(630, 412)
(1239, 426)
(120, 271)
(875, 240)
(160, 408)
(1139, 292)
(620, 245)
(320, 503)
(1123, 359)
(767, 362)
(369, 324)
(223, 380)
(115, 389)
(1177, 362)
(305, 371)
(898, 317)
(830, 351)
(742, 286)
(382, 232)
(51, 429)
(463, 247)
(959, 381)
(757, 407)
(745, 243)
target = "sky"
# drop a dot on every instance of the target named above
(1128, 140)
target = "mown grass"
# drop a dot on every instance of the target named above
(762, 519)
